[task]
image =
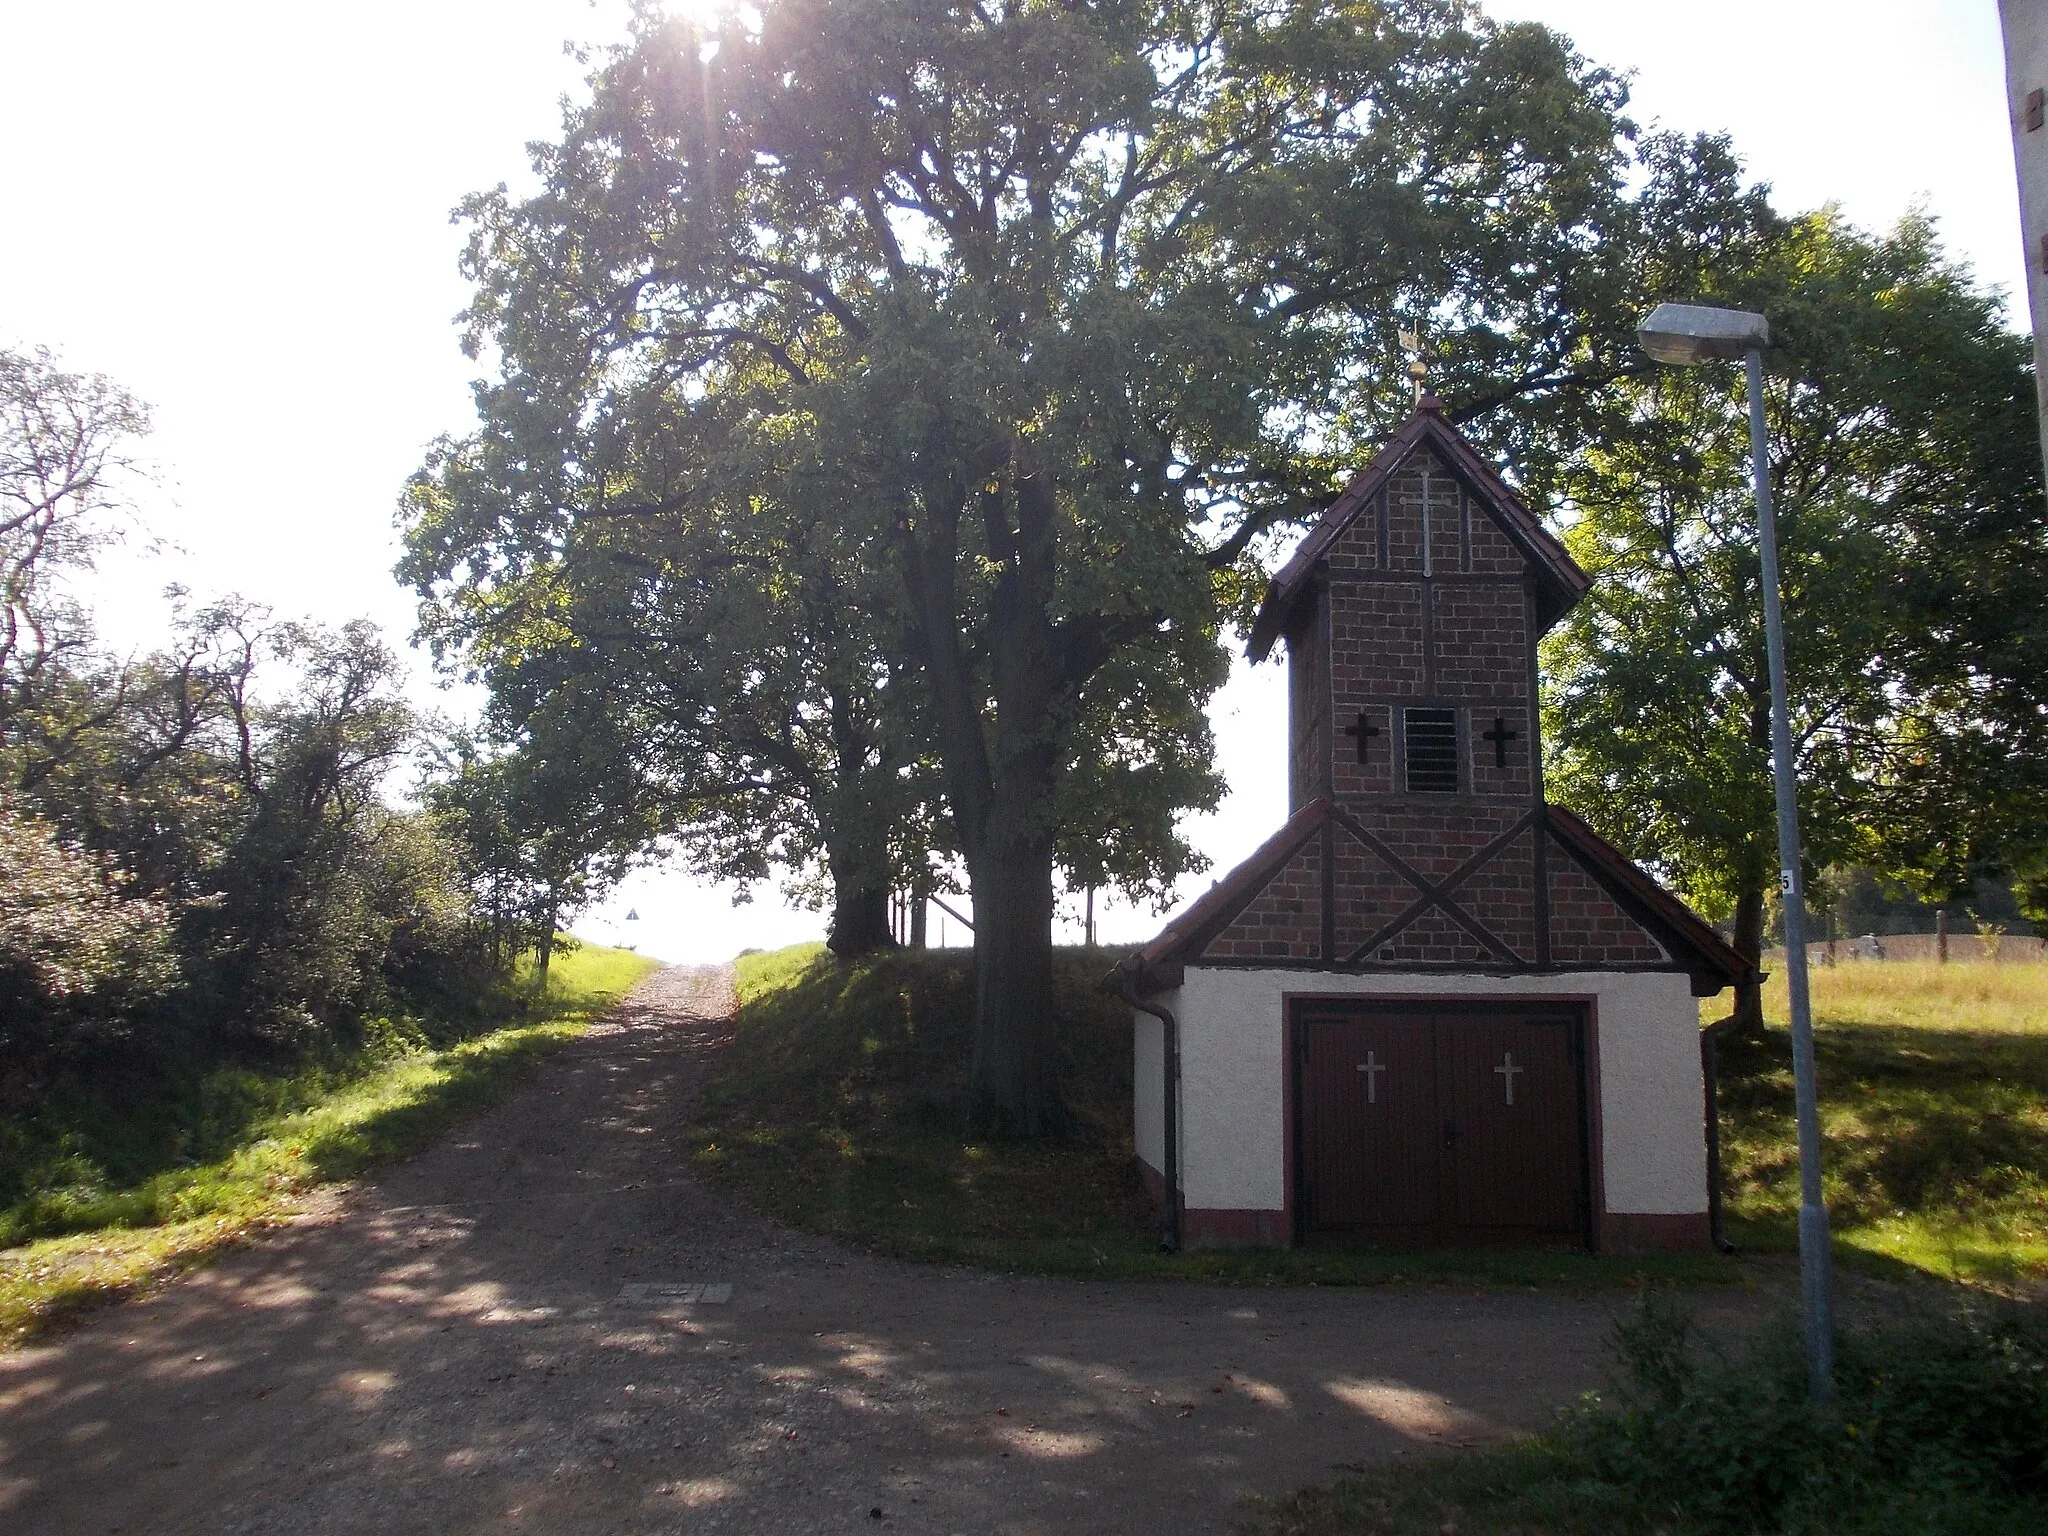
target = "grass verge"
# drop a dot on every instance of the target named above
(1934, 1118)
(842, 1108)
(94, 1243)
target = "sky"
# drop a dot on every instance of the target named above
(241, 212)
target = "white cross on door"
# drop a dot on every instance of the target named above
(1372, 1067)
(1507, 1070)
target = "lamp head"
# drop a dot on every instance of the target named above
(1695, 333)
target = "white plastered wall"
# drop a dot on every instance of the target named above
(1233, 1035)
(1148, 1071)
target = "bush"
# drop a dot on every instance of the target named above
(1936, 1419)
(77, 951)
(1940, 1429)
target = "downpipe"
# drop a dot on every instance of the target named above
(1169, 1237)
(1710, 1078)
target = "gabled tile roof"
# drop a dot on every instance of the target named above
(1560, 583)
(1681, 929)
(1213, 911)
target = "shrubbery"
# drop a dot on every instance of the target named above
(1940, 1429)
(207, 893)
(1941, 1424)
(185, 863)
(79, 952)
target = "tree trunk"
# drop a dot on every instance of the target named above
(1002, 764)
(546, 953)
(860, 919)
(859, 863)
(1749, 939)
(1011, 1077)
(920, 907)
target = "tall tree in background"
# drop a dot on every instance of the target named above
(1080, 300)
(295, 916)
(752, 678)
(1912, 547)
(543, 829)
(705, 626)
(67, 444)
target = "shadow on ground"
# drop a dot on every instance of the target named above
(448, 1350)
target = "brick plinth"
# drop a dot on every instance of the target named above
(1234, 1229)
(1622, 1233)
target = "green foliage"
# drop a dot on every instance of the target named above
(537, 832)
(1941, 1426)
(1907, 479)
(1940, 1412)
(978, 348)
(148, 1176)
(706, 652)
(77, 953)
(198, 864)
(244, 838)
(311, 883)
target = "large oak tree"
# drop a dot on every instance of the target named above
(1078, 299)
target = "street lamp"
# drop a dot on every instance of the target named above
(1686, 334)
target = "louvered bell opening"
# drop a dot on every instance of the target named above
(1431, 739)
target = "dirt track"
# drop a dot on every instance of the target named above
(447, 1350)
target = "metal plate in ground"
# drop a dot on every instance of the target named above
(675, 1292)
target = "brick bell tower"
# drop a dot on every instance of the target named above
(1411, 617)
(1418, 836)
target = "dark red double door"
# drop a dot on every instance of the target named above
(1422, 1125)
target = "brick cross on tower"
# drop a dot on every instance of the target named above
(1364, 731)
(1500, 736)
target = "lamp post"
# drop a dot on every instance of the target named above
(1686, 334)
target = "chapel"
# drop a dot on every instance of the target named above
(1432, 1008)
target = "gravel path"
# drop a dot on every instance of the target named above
(493, 1337)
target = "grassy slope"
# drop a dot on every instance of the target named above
(1934, 1109)
(111, 1241)
(842, 1107)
